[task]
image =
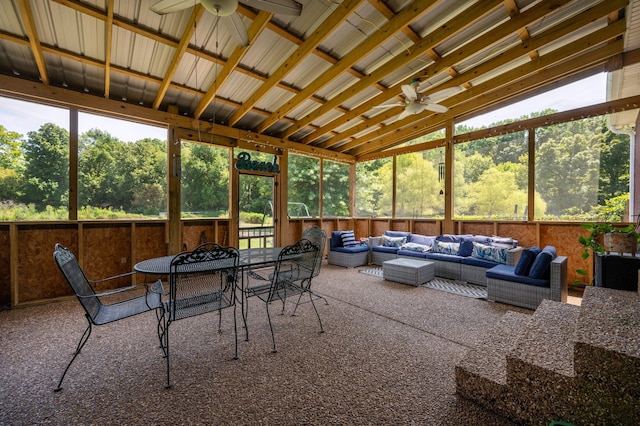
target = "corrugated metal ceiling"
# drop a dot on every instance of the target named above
(314, 79)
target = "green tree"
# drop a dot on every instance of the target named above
(335, 188)
(304, 182)
(46, 172)
(205, 178)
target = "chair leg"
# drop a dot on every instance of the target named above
(315, 309)
(219, 320)
(166, 345)
(245, 311)
(81, 343)
(273, 338)
(235, 332)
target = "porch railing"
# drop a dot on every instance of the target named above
(256, 237)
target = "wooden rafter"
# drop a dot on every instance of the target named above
(256, 28)
(107, 48)
(397, 23)
(34, 40)
(198, 10)
(541, 40)
(427, 43)
(304, 49)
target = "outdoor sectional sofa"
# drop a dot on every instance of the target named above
(354, 254)
(456, 257)
(538, 275)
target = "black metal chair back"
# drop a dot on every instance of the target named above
(200, 281)
(317, 235)
(292, 276)
(96, 312)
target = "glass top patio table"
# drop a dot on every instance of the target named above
(248, 258)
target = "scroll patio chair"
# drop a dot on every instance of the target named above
(200, 281)
(96, 312)
(317, 235)
(292, 276)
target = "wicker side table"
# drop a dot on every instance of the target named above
(408, 271)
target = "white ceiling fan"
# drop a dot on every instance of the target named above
(227, 9)
(415, 102)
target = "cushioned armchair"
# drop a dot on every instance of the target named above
(345, 251)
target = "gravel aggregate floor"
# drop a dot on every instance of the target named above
(387, 357)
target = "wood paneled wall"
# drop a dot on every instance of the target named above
(28, 274)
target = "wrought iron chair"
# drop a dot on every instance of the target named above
(317, 235)
(292, 276)
(96, 312)
(200, 281)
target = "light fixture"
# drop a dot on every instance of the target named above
(414, 108)
(220, 7)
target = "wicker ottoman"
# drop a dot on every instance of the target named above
(408, 271)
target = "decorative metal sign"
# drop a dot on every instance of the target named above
(244, 163)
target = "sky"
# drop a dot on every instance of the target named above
(23, 117)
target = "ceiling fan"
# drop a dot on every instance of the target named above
(415, 102)
(227, 9)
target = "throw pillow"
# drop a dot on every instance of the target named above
(445, 248)
(494, 254)
(348, 239)
(526, 260)
(416, 247)
(541, 266)
(502, 242)
(393, 241)
(466, 248)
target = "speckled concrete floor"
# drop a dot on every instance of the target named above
(387, 357)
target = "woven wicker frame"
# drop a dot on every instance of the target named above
(528, 296)
(348, 260)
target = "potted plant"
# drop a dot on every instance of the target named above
(606, 238)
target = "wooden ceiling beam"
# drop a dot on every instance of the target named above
(256, 27)
(406, 16)
(304, 49)
(196, 14)
(34, 41)
(541, 40)
(492, 92)
(19, 88)
(513, 25)
(107, 48)
(443, 33)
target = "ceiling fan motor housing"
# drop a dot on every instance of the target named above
(220, 7)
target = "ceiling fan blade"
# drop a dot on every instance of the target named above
(445, 93)
(404, 114)
(233, 23)
(409, 92)
(389, 105)
(284, 7)
(169, 6)
(436, 107)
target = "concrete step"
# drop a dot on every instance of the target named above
(607, 357)
(481, 375)
(540, 370)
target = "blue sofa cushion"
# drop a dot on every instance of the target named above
(466, 248)
(421, 239)
(444, 257)
(506, 273)
(397, 234)
(384, 249)
(473, 261)
(526, 260)
(336, 239)
(348, 239)
(411, 253)
(355, 249)
(541, 267)
(452, 238)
